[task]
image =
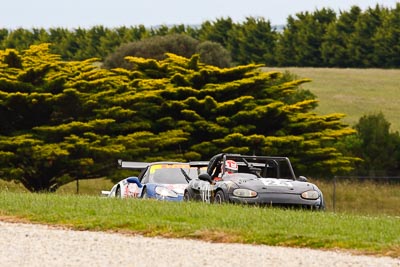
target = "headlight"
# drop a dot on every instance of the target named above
(244, 193)
(310, 194)
(164, 192)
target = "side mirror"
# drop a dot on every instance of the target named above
(302, 179)
(205, 177)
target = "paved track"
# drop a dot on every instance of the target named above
(39, 245)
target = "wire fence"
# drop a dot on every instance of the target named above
(366, 194)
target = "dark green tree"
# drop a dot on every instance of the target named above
(255, 42)
(386, 41)
(63, 38)
(285, 49)
(360, 42)
(301, 40)
(217, 31)
(3, 35)
(18, 39)
(214, 54)
(334, 49)
(377, 146)
(156, 47)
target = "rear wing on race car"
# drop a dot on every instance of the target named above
(198, 164)
(137, 165)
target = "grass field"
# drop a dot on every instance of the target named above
(361, 197)
(354, 92)
(377, 235)
(352, 197)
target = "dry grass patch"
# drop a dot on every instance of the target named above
(354, 92)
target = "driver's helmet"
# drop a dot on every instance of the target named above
(231, 166)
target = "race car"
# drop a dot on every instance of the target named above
(157, 180)
(259, 180)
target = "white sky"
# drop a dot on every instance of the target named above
(88, 13)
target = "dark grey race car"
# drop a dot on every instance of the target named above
(261, 180)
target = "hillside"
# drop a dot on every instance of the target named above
(354, 92)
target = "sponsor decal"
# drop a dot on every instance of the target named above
(153, 168)
(276, 182)
(132, 190)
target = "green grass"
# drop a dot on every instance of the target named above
(86, 187)
(12, 186)
(354, 92)
(223, 223)
(82, 187)
(361, 198)
(366, 216)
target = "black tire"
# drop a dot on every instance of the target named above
(322, 207)
(118, 192)
(219, 197)
(186, 196)
(144, 194)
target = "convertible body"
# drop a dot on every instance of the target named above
(260, 180)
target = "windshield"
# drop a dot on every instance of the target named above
(172, 174)
(277, 169)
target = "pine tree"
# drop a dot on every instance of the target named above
(62, 121)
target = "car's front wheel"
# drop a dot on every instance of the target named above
(219, 197)
(322, 206)
(144, 194)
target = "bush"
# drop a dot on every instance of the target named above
(180, 44)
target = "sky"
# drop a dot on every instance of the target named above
(72, 14)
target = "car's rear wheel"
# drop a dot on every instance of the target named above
(219, 197)
(186, 196)
(118, 192)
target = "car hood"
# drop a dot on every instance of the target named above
(177, 188)
(272, 184)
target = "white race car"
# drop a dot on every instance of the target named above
(159, 180)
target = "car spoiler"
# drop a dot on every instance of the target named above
(137, 165)
(198, 164)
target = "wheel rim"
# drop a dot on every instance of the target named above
(218, 198)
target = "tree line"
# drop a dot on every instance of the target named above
(323, 38)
